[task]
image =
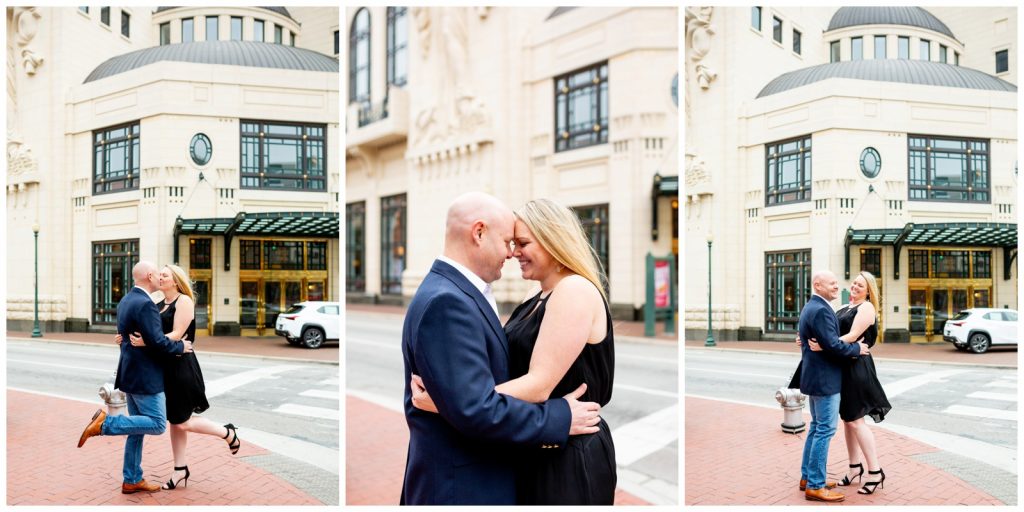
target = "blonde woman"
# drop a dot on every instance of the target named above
(559, 339)
(862, 394)
(183, 379)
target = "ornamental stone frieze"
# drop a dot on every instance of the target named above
(51, 307)
(26, 22)
(698, 41)
(723, 316)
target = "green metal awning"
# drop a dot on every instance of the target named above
(974, 234)
(291, 224)
(663, 186)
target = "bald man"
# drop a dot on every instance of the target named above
(140, 375)
(821, 379)
(453, 339)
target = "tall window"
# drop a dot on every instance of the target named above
(956, 58)
(926, 50)
(943, 54)
(398, 43)
(291, 40)
(796, 41)
(833, 49)
(84, 9)
(257, 30)
(776, 29)
(871, 261)
(278, 34)
(903, 47)
(111, 276)
(105, 15)
(116, 159)
(337, 47)
(289, 156)
(581, 108)
(249, 254)
(788, 288)
(200, 253)
(165, 33)
(880, 43)
(126, 24)
(212, 28)
(595, 224)
(857, 48)
(392, 240)
(236, 28)
(755, 18)
(316, 255)
(188, 31)
(948, 169)
(359, 58)
(1002, 61)
(355, 247)
(788, 171)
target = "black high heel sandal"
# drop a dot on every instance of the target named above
(846, 478)
(234, 444)
(171, 484)
(870, 487)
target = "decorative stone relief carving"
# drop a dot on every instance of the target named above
(27, 21)
(698, 37)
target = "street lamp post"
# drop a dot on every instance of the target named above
(36, 333)
(710, 341)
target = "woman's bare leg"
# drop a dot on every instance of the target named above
(866, 441)
(853, 448)
(201, 425)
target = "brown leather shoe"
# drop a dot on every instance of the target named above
(94, 428)
(823, 495)
(828, 485)
(141, 485)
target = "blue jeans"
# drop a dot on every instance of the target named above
(824, 417)
(148, 416)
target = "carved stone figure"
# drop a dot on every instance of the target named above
(698, 36)
(26, 19)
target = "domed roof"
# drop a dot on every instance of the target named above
(227, 53)
(905, 71)
(280, 10)
(909, 16)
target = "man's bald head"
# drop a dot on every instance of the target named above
(478, 231)
(825, 284)
(144, 274)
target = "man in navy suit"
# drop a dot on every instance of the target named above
(452, 338)
(140, 375)
(821, 379)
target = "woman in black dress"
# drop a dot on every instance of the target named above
(862, 394)
(184, 388)
(559, 339)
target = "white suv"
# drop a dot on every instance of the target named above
(310, 323)
(980, 328)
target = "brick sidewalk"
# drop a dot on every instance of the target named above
(376, 443)
(265, 346)
(44, 466)
(738, 455)
(941, 352)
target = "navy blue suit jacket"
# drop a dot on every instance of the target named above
(463, 455)
(822, 372)
(139, 370)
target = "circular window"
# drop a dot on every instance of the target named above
(201, 149)
(870, 162)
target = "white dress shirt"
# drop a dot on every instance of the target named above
(479, 284)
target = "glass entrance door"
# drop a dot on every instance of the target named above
(271, 303)
(940, 311)
(202, 291)
(249, 305)
(918, 312)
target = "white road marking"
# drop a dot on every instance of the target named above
(981, 412)
(649, 391)
(642, 437)
(330, 382)
(225, 384)
(779, 376)
(993, 396)
(655, 360)
(312, 412)
(317, 393)
(108, 371)
(1001, 384)
(902, 386)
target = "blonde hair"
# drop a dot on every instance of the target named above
(558, 230)
(872, 286)
(181, 281)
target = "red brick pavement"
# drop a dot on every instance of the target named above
(738, 455)
(940, 352)
(44, 466)
(376, 443)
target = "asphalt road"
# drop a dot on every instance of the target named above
(967, 410)
(644, 412)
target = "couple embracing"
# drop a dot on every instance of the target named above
(509, 415)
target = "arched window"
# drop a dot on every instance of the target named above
(398, 43)
(359, 58)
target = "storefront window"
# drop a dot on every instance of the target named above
(919, 264)
(788, 171)
(282, 255)
(280, 156)
(595, 224)
(355, 247)
(199, 253)
(316, 255)
(250, 250)
(982, 264)
(111, 276)
(948, 169)
(788, 285)
(392, 238)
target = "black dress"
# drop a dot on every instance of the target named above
(582, 472)
(862, 394)
(183, 380)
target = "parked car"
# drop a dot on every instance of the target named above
(980, 328)
(310, 324)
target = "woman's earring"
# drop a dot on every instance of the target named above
(559, 269)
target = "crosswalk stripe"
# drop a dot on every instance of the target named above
(981, 412)
(640, 438)
(993, 396)
(330, 382)
(1001, 384)
(313, 412)
(318, 393)
(902, 386)
(225, 384)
